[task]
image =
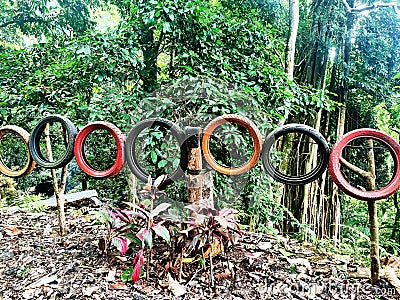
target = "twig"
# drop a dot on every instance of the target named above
(211, 264)
(181, 266)
(191, 278)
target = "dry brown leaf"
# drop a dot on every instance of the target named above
(217, 247)
(223, 275)
(392, 262)
(147, 289)
(90, 290)
(118, 286)
(44, 281)
(12, 231)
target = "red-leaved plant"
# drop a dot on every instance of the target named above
(138, 226)
(207, 224)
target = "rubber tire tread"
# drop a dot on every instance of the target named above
(249, 126)
(130, 153)
(344, 185)
(24, 136)
(323, 149)
(81, 157)
(34, 141)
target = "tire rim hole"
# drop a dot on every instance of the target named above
(291, 154)
(58, 141)
(100, 149)
(231, 145)
(157, 151)
(13, 152)
(356, 153)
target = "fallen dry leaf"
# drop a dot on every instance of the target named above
(12, 231)
(111, 275)
(90, 290)
(43, 281)
(176, 288)
(118, 286)
(223, 275)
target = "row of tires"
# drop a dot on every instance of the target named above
(126, 151)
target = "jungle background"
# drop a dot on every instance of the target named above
(330, 64)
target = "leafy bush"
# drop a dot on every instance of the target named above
(7, 188)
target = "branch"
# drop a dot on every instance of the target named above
(371, 7)
(347, 6)
(374, 6)
(362, 87)
(354, 168)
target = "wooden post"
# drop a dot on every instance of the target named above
(373, 216)
(194, 179)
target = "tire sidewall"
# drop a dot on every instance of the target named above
(34, 142)
(323, 149)
(24, 136)
(130, 152)
(81, 157)
(251, 128)
(344, 185)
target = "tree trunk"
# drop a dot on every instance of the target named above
(150, 54)
(195, 165)
(59, 189)
(369, 176)
(373, 217)
(291, 42)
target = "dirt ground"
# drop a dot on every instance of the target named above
(36, 263)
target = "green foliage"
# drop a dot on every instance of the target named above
(32, 203)
(43, 18)
(7, 188)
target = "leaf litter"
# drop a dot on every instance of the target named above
(36, 263)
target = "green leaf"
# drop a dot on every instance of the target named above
(160, 208)
(153, 155)
(148, 238)
(133, 238)
(162, 163)
(127, 274)
(161, 231)
(166, 27)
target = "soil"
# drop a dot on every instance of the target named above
(36, 263)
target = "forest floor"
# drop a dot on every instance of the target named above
(36, 263)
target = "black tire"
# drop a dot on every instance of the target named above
(34, 142)
(130, 152)
(323, 150)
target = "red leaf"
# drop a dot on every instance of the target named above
(122, 244)
(137, 264)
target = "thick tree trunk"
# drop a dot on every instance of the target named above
(199, 184)
(335, 190)
(291, 42)
(309, 203)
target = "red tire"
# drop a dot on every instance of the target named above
(343, 184)
(249, 126)
(79, 149)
